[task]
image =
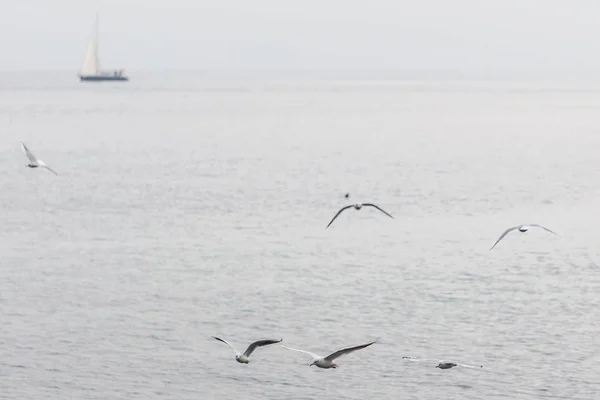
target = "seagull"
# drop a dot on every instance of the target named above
(328, 362)
(243, 358)
(444, 364)
(357, 206)
(35, 162)
(521, 228)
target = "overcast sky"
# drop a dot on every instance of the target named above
(303, 34)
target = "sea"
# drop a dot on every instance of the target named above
(188, 206)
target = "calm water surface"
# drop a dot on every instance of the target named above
(186, 208)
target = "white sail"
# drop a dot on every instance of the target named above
(91, 63)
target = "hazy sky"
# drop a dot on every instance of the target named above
(303, 34)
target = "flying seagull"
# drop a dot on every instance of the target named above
(443, 364)
(357, 206)
(243, 358)
(521, 228)
(328, 362)
(35, 162)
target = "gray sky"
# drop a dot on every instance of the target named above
(303, 34)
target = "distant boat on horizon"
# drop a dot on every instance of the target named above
(90, 69)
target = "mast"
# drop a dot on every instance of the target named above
(96, 37)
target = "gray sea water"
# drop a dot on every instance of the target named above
(186, 208)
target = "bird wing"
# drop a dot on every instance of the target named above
(49, 169)
(28, 153)
(336, 215)
(313, 355)
(544, 228)
(417, 359)
(470, 366)
(377, 207)
(227, 343)
(504, 234)
(420, 359)
(339, 353)
(259, 343)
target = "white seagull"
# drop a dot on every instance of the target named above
(521, 228)
(328, 361)
(443, 364)
(35, 162)
(357, 206)
(243, 357)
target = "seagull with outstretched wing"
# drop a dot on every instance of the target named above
(329, 361)
(442, 364)
(35, 162)
(243, 358)
(357, 206)
(521, 228)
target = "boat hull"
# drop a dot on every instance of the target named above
(100, 78)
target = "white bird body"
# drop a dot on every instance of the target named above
(324, 363)
(243, 358)
(35, 162)
(520, 228)
(357, 206)
(329, 361)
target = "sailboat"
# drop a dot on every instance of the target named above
(90, 70)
